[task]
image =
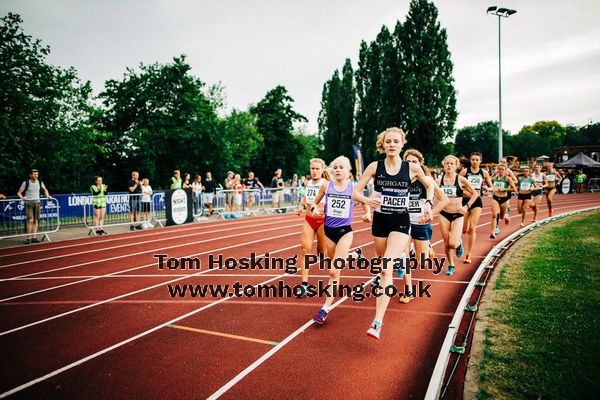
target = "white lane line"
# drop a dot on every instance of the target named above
(86, 241)
(158, 250)
(98, 250)
(131, 339)
(91, 278)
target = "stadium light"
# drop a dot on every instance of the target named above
(501, 13)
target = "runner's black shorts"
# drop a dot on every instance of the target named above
(335, 234)
(476, 203)
(384, 224)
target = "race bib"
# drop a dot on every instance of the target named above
(475, 181)
(525, 186)
(414, 206)
(338, 207)
(311, 193)
(551, 178)
(449, 191)
(499, 185)
(394, 202)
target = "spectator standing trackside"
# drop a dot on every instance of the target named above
(99, 192)
(186, 181)
(251, 183)
(210, 188)
(237, 195)
(30, 192)
(295, 189)
(277, 186)
(228, 194)
(146, 202)
(197, 194)
(175, 182)
(135, 191)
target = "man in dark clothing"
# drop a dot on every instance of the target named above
(135, 197)
(210, 188)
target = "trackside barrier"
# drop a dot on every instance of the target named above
(594, 185)
(158, 209)
(280, 200)
(436, 388)
(234, 203)
(13, 218)
(117, 208)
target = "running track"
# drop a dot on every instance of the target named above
(92, 318)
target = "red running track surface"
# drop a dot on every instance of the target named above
(88, 318)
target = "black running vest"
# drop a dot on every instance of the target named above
(393, 189)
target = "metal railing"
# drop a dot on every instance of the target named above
(14, 217)
(115, 209)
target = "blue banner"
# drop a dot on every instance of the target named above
(358, 160)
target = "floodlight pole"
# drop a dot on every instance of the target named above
(499, 89)
(500, 12)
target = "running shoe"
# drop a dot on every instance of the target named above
(521, 224)
(27, 241)
(131, 228)
(320, 317)
(303, 291)
(406, 298)
(399, 272)
(507, 219)
(450, 270)
(549, 213)
(493, 236)
(139, 227)
(497, 230)
(359, 253)
(234, 216)
(35, 240)
(460, 250)
(225, 216)
(375, 330)
(508, 206)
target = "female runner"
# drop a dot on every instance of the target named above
(526, 184)
(454, 187)
(338, 212)
(312, 226)
(553, 177)
(476, 177)
(501, 184)
(391, 221)
(420, 231)
(536, 195)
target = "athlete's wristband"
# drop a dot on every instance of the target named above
(429, 202)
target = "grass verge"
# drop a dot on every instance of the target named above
(542, 339)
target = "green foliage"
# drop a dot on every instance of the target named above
(275, 123)
(482, 137)
(44, 115)
(537, 139)
(404, 78)
(586, 135)
(308, 151)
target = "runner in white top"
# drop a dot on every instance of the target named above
(312, 226)
(540, 180)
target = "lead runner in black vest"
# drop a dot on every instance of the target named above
(391, 221)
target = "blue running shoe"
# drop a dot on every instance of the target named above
(450, 270)
(225, 216)
(497, 230)
(375, 330)
(460, 250)
(399, 272)
(320, 317)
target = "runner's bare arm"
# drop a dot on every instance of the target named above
(360, 186)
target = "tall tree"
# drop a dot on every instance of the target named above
(537, 139)
(429, 85)
(160, 120)
(368, 85)
(275, 123)
(44, 115)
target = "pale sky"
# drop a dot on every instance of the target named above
(550, 61)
